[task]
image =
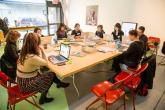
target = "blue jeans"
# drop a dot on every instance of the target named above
(123, 67)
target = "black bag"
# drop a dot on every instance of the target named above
(7, 68)
(5, 63)
(149, 74)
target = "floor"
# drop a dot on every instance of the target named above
(154, 101)
(68, 100)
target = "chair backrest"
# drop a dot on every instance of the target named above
(163, 48)
(153, 41)
(142, 69)
(4, 79)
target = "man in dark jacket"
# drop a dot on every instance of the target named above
(142, 37)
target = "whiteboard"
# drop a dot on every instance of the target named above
(127, 26)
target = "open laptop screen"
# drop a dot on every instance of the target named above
(65, 50)
(127, 26)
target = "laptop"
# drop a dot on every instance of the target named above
(63, 54)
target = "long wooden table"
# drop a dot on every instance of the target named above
(77, 64)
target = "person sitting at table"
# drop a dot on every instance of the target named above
(77, 31)
(38, 31)
(61, 32)
(142, 36)
(132, 57)
(117, 33)
(10, 56)
(100, 32)
(29, 76)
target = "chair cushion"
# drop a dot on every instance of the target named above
(15, 95)
(111, 95)
(131, 82)
(100, 88)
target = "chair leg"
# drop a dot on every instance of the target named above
(34, 100)
(133, 99)
(106, 106)
(8, 106)
(14, 107)
(34, 104)
(92, 103)
(124, 103)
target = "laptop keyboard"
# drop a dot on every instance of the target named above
(59, 58)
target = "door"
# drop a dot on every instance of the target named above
(54, 16)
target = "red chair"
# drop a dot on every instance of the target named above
(108, 93)
(153, 43)
(133, 82)
(14, 94)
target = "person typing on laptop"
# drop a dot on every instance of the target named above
(29, 75)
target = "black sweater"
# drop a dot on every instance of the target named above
(119, 36)
(76, 33)
(143, 38)
(100, 34)
(133, 55)
(11, 53)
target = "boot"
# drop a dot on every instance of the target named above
(44, 99)
(59, 83)
(62, 85)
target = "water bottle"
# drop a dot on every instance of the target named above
(54, 40)
(118, 44)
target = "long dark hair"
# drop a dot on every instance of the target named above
(31, 46)
(118, 25)
(61, 25)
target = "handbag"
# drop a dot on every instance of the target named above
(5, 65)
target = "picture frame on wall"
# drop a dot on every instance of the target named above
(92, 15)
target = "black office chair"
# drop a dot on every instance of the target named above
(162, 62)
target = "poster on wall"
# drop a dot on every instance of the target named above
(91, 15)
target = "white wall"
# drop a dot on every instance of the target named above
(109, 13)
(113, 11)
(77, 13)
(150, 13)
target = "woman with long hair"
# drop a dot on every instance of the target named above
(117, 33)
(10, 56)
(61, 31)
(29, 75)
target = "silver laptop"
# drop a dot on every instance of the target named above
(64, 53)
